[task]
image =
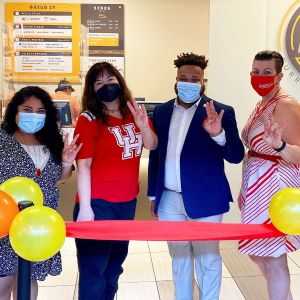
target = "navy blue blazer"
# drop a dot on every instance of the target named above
(205, 188)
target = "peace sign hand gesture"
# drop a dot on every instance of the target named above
(272, 131)
(139, 113)
(213, 122)
(70, 150)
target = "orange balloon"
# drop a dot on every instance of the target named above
(8, 210)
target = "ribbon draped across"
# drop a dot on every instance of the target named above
(168, 230)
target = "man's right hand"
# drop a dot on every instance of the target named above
(213, 123)
(86, 214)
(153, 214)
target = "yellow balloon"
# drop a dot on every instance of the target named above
(22, 188)
(37, 233)
(285, 210)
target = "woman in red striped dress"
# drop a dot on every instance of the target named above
(272, 135)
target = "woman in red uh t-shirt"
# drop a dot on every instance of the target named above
(113, 130)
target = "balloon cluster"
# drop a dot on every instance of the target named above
(37, 232)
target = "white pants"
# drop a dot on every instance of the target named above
(208, 262)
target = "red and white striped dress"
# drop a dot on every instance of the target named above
(262, 178)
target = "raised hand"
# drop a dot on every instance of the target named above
(272, 131)
(213, 122)
(70, 150)
(139, 113)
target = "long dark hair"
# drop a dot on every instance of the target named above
(89, 95)
(50, 134)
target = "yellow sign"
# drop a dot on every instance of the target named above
(104, 41)
(43, 42)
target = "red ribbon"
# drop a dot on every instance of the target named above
(169, 231)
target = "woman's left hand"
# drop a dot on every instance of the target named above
(70, 150)
(272, 132)
(139, 113)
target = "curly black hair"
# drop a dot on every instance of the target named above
(89, 101)
(269, 55)
(191, 59)
(50, 134)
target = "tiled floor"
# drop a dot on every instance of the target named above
(148, 276)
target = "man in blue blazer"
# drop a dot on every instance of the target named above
(186, 177)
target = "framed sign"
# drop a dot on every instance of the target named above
(43, 41)
(105, 23)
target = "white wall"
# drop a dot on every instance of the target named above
(238, 30)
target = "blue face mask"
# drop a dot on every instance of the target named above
(31, 122)
(188, 92)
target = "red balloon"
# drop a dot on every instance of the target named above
(8, 210)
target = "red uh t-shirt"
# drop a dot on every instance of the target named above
(116, 149)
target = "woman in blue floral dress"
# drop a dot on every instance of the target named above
(32, 146)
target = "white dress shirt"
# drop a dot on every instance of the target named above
(180, 123)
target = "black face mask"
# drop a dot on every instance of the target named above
(108, 92)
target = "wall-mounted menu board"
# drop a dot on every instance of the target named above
(44, 41)
(105, 23)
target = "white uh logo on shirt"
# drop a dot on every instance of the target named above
(131, 141)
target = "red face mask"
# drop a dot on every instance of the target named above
(263, 85)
